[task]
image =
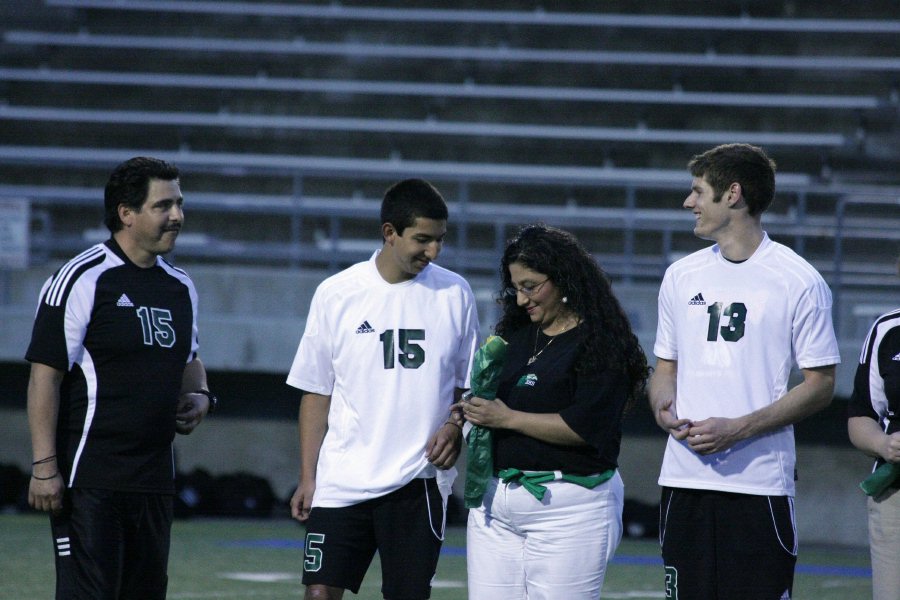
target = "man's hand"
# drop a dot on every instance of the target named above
(46, 494)
(717, 434)
(662, 391)
(890, 448)
(712, 435)
(192, 407)
(665, 418)
(301, 501)
(443, 447)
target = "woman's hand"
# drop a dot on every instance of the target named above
(547, 427)
(487, 413)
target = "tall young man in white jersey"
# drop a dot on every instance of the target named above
(387, 350)
(114, 375)
(732, 319)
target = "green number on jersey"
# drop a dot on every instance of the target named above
(734, 329)
(387, 344)
(313, 554)
(411, 355)
(156, 324)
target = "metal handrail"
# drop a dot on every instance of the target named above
(302, 47)
(467, 89)
(638, 135)
(538, 17)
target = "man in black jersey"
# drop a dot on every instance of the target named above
(114, 375)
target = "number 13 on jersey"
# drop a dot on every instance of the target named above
(411, 355)
(733, 330)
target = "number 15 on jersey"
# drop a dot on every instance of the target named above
(411, 355)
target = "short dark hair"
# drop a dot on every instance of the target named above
(129, 184)
(407, 200)
(746, 164)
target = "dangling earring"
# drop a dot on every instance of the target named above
(565, 299)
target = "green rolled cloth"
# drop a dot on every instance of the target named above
(880, 479)
(532, 481)
(480, 457)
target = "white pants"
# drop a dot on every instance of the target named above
(520, 547)
(884, 545)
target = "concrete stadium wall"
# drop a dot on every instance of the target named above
(830, 507)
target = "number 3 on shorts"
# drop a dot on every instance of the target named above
(672, 583)
(313, 554)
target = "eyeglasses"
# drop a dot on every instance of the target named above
(527, 290)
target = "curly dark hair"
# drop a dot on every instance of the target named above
(605, 332)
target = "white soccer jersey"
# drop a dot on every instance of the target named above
(390, 356)
(735, 330)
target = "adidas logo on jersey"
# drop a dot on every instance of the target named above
(365, 328)
(896, 357)
(124, 301)
(63, 547)
(697, 300)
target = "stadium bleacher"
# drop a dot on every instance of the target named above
(289, 120)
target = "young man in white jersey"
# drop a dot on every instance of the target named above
(387, 350)
(732, 320)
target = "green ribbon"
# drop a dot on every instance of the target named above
(532, 481)
(883, 477)
(486, 368)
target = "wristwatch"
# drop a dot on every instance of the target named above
(213, 401)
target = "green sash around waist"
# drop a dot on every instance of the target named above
(532, 480)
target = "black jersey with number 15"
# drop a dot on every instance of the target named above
(123, 335)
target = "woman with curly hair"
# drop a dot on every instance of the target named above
(551, 517)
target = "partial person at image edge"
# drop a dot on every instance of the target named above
(874, 429)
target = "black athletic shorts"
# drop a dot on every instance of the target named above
(112, 545)
(719, 545)
(405, 526)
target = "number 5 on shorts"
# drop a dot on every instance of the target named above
(312, 552)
